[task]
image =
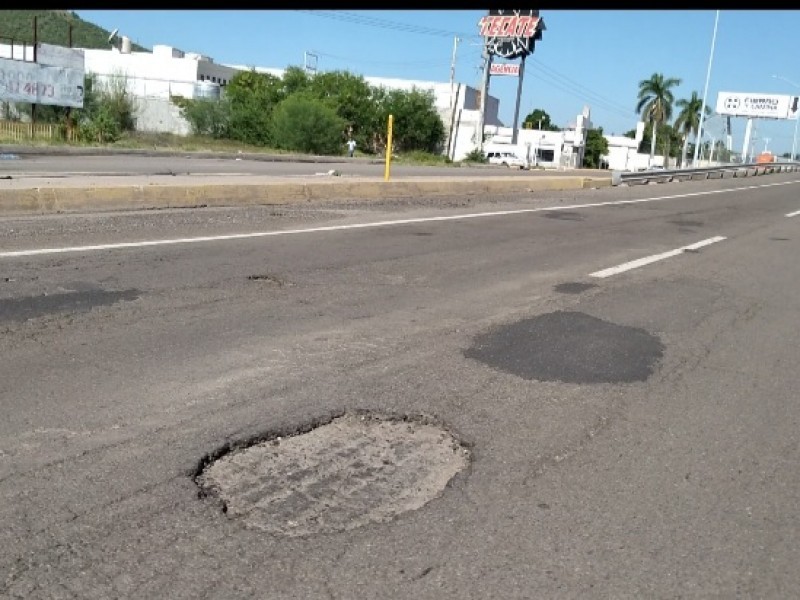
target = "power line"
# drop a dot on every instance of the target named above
(547, 74)
(386, 23)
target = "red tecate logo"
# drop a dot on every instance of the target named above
(521, 26)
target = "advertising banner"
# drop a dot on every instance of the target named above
(36, 83)
(767, 106)
(504, 69)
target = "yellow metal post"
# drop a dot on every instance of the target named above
(388, 149)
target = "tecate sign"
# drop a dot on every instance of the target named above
(523, 26)
(768, 106)
(504, 69)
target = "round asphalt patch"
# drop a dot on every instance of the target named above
(570, 347)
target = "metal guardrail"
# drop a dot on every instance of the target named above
(719, 172)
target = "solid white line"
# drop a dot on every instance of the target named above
(654, 258)
(793, 214)
(242, 236)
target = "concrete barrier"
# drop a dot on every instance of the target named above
(54, 198)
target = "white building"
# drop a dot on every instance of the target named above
(154, 77)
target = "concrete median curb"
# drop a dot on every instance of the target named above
(53, 199)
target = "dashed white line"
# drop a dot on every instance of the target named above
(258, 234)
(640, 262)
(793, 214)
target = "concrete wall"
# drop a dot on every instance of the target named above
(160, 115)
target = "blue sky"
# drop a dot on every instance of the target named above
(593, 58)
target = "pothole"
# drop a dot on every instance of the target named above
(687, 223)
(267, 278)
(570, 347)
(563, 215)
(574, 287)
(353, 470)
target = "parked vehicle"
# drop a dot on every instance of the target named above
(507, 159)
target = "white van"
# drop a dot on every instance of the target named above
(506, 159)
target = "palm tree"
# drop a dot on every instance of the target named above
(655, 103)
(688, 120)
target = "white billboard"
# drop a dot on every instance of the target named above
(59, 56)
(766, 106)
(504, 69)
(40, 84)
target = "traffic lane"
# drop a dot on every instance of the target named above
(383, 359)
(295, 275)
(615, 232)
(46, 231)
(37, 166)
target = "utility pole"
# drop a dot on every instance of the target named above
(487, 64)
(705, 92)
(514, 131)
(450, 137)
(453, 68)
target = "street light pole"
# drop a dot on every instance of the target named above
(705, 93)
(796, 118)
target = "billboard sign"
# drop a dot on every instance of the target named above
(40, 84)
(765, 106)
(511, 33)
(504, 69)
(59, 56)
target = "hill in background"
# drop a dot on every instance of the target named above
(53, 28)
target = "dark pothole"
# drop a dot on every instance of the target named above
(335, 476)
(574, 287)
(270, 279)
(570, 347)
(563, 215)
(687, 223)
(31, 307)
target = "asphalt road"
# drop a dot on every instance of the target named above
(65, 166)
(632, 427)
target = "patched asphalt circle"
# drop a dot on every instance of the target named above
(354, 470)
(570, 347)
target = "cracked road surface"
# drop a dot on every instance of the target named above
(122, 368)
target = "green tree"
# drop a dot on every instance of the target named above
(305, 124)
(417, 124)
(355, 101)
(295, 79)
(596, 147)
(253, 96)
(655, 102)
(539, 119)
(669, 139)
(688, 120)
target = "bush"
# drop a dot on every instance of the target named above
(107, 112)
(476, 156)
(304, 124)
(206, 116)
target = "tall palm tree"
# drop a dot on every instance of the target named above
(688, 120)
(655, 103)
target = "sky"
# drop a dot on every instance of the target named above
(585, 58)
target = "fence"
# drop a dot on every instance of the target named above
(18, 131)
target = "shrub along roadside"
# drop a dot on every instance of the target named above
(265, 110)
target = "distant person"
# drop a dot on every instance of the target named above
(351, 148)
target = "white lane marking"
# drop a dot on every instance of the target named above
(640, 262)
(793, 214)
(258, 234)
